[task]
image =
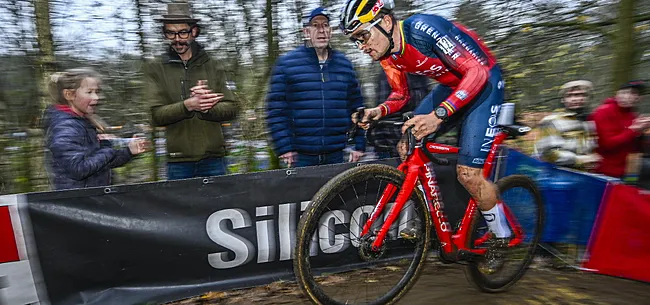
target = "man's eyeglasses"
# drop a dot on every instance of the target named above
(362, 37)
(184, 34)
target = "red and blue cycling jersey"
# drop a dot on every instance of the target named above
(446, 51)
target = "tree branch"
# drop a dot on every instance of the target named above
(592, 25)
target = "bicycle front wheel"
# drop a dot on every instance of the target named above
(520, 194)
(333, 264)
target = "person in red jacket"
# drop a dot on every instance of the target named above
(619, 128)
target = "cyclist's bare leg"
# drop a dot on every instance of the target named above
(482, 190)
(486, 195)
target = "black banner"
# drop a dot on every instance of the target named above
(165, 241)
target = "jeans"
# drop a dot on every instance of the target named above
(203, 168)
(322, 159)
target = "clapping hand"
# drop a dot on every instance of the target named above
(139, 145)
(640, 123)
(206, 98)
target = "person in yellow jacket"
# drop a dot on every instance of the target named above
(566, 137)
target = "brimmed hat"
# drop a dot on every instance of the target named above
(178, 12)
(584, 84)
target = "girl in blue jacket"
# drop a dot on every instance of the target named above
(78, 156)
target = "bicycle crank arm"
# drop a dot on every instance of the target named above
(468, 256)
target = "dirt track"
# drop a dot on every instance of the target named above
(446, 284)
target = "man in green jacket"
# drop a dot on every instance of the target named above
(190, 98)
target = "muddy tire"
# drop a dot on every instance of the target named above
(533, 215)
(307, 274)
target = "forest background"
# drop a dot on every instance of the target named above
(540, 44)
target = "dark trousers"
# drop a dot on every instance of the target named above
(203, 168)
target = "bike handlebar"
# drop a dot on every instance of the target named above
(411, 140)
(512, 131)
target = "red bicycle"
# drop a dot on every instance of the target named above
(362, 215)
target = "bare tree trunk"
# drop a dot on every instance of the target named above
(142, 46)
(625, 47)
(46, 65)
(271, 42)
(139, 8)
(233, 47)
(272, 47)
(46, 62)
(300, 6)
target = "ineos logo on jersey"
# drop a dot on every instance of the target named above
(492, 129)
(489, 217)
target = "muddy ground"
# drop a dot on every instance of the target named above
(446, 284)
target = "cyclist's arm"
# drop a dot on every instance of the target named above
(473, 80)
(474, 75)
(399, 94)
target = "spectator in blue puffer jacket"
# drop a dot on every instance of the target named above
(312, 95)
(78, 157)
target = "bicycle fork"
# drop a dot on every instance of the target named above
(402, 197)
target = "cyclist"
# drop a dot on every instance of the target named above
(469, 93)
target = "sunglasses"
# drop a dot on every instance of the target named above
(362, 37)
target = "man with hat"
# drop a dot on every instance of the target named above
(312, 95)
(189, 97)
(566, 137)
(619, 128)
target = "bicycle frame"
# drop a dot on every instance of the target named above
(417, 167)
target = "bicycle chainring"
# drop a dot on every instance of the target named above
(495, 258)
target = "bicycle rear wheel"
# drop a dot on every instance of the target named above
(520, 194)
(331, 225)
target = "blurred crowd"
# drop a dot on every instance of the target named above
(609, 140)
(313, 93)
